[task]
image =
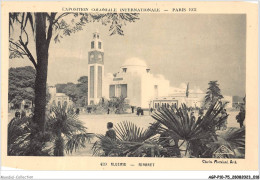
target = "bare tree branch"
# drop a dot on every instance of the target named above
(30, 56)
(17, 46)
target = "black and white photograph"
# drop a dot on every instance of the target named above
(127, 84)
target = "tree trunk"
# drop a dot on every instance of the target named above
(59, 145)
(41, 70)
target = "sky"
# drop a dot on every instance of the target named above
(183, 48)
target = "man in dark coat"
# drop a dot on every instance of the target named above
(110, 132)
(241, 118)
(133, 109)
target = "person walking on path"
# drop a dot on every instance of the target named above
(133, 109)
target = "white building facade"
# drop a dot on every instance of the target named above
(58, 98)
(136, 83)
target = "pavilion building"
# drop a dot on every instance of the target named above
(135, 82)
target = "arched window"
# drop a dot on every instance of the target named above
(92, 45)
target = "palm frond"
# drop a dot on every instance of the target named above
(234, 138)
(177, 125)
(24, 139)
(77, 141)
(128, 131)
(131, 141)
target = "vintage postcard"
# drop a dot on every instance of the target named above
(129, 85)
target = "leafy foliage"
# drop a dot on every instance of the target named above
(180, 126)
(117, 20)
(234, 139)
(77, 92)
(65, 26)
(64, 132)
(21, 84)
(199, 137)
(25, 140)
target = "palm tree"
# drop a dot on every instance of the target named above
(131, 141)
(198, 136)
(63, 132)
(119, 104)
(213, 94)
(24, 140)
(67, 131)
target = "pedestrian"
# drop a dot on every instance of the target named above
(142, 111)
(241, 117)
(138, 111)
(108, 111)
(110, 131)
(110, 134)
(133, 109)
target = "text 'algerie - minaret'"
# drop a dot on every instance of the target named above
(95, 69)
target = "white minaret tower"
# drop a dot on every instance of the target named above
(95, 69)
